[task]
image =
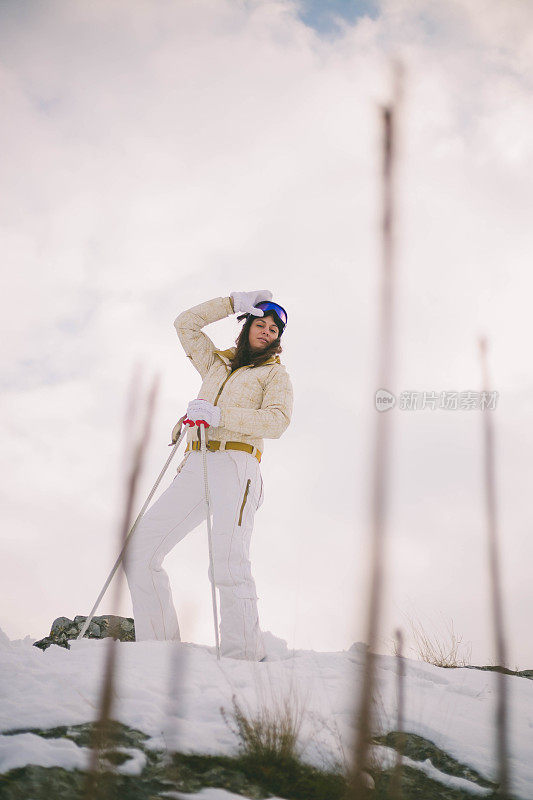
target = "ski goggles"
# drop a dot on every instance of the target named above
(267, 305)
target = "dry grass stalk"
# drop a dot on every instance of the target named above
(382, 439)
(173, 706)
(270, 733)
(101, 730)
(396, 784)
(441, 651)
(502, 748)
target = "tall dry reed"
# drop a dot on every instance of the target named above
(100, 739)
(496, 594)
(382, 434)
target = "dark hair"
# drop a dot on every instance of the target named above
(244, 356)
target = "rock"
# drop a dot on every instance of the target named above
(254, 792)
(368, 780)
(358, 647)
(523, 673)
(48, 640)
(215, 775)
(64, 629)
(419, 749)
(59, 625)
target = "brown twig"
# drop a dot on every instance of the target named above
(396, 783)
(495, 585)
(172, 709)
(101, 731)
(379, 494)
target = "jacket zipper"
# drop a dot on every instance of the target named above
(225, 381)
(248, 482)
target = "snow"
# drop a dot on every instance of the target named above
(206, 794)
(27, 748)
(21, 749)
(174, 693)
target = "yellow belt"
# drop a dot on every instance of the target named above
(213, 445)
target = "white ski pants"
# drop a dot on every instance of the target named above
(236, 489)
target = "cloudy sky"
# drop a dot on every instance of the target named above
(158, 154)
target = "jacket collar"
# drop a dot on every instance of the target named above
(226, 355)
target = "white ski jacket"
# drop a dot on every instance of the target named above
(255, 402)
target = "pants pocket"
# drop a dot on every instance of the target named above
(244, 500)
(251, 484)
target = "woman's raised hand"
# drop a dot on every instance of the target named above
(244, 302)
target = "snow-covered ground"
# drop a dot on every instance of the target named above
(174, 693)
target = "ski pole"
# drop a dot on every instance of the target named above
(139, 517)
(202, 430)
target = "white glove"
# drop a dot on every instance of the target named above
(245, 301)
(201, 409)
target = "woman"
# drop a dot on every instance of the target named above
(246, 395)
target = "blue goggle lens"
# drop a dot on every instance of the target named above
(266, 306)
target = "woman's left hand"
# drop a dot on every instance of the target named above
(203, 410)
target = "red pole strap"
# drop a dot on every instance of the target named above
(192, 423)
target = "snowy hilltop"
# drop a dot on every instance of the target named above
(171, 697)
